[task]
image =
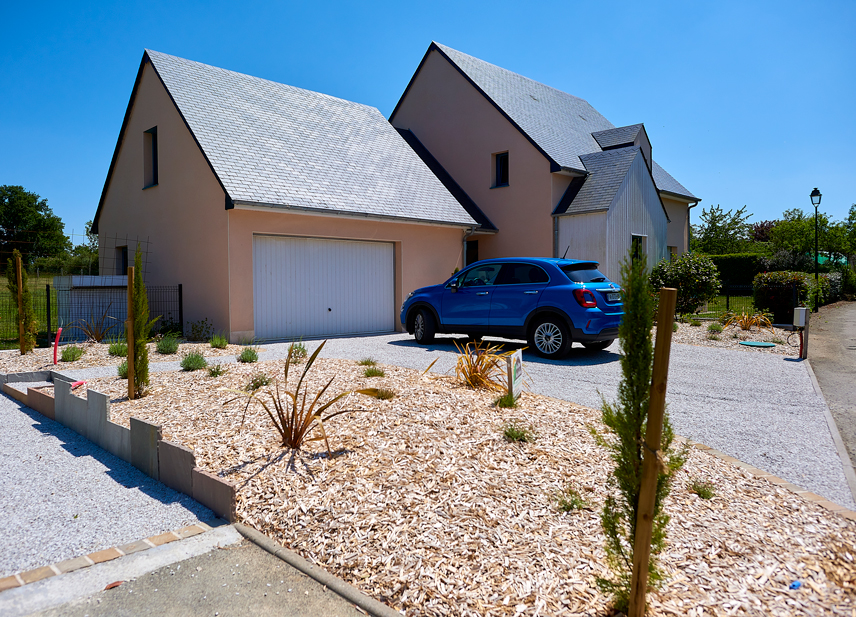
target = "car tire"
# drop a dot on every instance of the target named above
(550, 338)
(424, 327)
(598, 345)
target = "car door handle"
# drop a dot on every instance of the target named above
(481, 293)
(530, 292)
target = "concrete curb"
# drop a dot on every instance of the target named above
(849, 473)
(347, 591)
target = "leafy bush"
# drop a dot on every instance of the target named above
(367, 362)
(569, 499)
(169, 326)
(249, 355)
(122, 369)
(297, 352)
(384, 394)
(694, 276)
(789, 261)
(482, 367)
(168, 345)
(774, 293)
(703, 488)
(715, 327)
(217, 370)
(739, 268)
(835, 280)
(200, 331)
(258, 381)
(373, 371)
(218, 341)
(292, 418)
(515, 432)
(27, 317)
(193, 361)
(118, 348)
(675, 326)
(506, 401)
(626, 420)
(71, 353)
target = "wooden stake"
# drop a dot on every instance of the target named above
(129, 336)
(20, 304)
(650, 462)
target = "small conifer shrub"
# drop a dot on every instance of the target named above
(122, 369)
(70, 353)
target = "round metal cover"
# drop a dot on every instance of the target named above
(757, 344)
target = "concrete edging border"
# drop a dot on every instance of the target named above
(349, 592)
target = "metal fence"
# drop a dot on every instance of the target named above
(780, 300)
(81, 304)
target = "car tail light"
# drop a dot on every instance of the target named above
(585, 298)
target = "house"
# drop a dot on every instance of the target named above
(542, 171)
(283, 212)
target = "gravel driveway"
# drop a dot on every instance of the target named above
(63, 496)
(759, 408)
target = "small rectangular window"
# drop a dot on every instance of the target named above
(638, 246)
(472, 252)
(122, 260)
(501, 169)
(150, 157)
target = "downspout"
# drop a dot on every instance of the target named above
(689, 228)
(467, 234)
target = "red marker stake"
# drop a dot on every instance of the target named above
(56, 342)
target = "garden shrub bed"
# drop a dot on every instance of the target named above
(426, 506)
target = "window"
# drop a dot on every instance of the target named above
(500, 173)
(584, 273)
(122, 260)
(150, 157)
(480, 275)
(521, 274)
(472, 252)
(638, 247)
(673, 253)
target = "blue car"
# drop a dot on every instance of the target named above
(548, 302)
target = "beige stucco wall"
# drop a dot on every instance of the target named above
(183, 216)
(462, 130)
(424, 254)
(676, 230)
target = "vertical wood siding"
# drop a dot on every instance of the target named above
(583, 235)
(317, 287)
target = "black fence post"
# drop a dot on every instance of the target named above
(180, 310)
(48, 298)
(727, 299)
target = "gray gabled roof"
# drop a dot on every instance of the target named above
(559, 124)
(596, 191)
(277, 145)
(622, 136)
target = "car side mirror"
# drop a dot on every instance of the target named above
(453, 286)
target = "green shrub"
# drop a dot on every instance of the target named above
(27, 316)
(506, 401)
(297, 352)
(218, 341)
(217, 370)
(367, 362)
(713, 336)
(70, 353)
(693, 275)
(168, 345)
(703, 488)
(193, 361)
(384, 394)
(249, 355)
(373, 371)
(715, 327)
(118, 348)
(515, 432)
(774, 292)
(675, 326)
(122, 369)
(626, 419)
(258, 381)
(739, 268)
(168, 326)
(200, 331)
(569, 499)
(695, 323)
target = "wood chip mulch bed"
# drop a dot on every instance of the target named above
(426, 507)
(96, 354)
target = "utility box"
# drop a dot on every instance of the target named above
(800, 316)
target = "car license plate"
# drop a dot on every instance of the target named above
(613, 297)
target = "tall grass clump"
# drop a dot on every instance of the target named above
(118, 348)
(71, 353)
(248, 355)
(481, 366)
(626, 421)
(26, 315)
(167, 345)
(194, 361)
(218, 341)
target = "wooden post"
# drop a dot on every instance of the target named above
(129, 336)
(20, 304)
(650, 462)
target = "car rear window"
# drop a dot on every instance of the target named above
(521, 274)
(584, 273)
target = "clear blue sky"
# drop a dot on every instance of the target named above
(746, 103)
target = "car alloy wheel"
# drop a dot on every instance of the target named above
(419, 327)
(549, 339)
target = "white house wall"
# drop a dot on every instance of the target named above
(582, 235)
(636, 210)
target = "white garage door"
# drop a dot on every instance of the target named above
(314, 287)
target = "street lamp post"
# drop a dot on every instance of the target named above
(815, 201)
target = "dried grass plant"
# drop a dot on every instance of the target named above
(481, 366)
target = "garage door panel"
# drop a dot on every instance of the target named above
(319, 287)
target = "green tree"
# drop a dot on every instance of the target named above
(29, 225)
(694, 275)
(142, 327)
(721, 232)
(26, 314)
(626, 420)
(795, 233)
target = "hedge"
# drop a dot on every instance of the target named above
(739, 268)
(774, 293)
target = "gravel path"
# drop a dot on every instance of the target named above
(758, 407)
(64, 497)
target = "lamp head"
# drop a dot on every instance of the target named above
(815, 197)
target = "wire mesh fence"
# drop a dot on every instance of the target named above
(86, 308)
(779, 300)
